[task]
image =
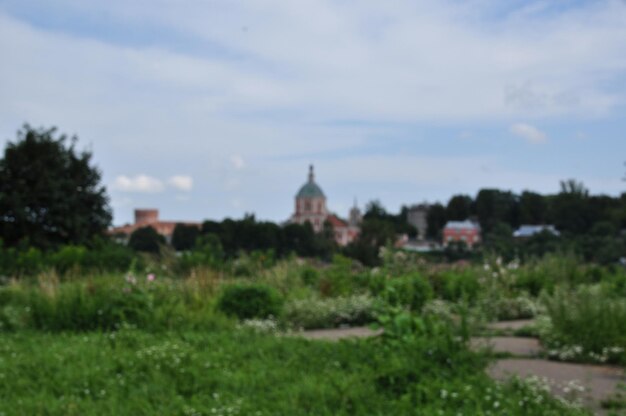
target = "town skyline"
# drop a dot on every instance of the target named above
(212, 110)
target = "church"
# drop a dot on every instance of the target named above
(311, 207)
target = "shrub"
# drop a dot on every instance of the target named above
(310, 276)
(329, 313)
(337, 280)
(146, 239)
(457, 284)
(587, 319)
(247, 301)
(412, 291)
(507, 308)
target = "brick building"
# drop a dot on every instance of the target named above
(461, 231)
(149, 217)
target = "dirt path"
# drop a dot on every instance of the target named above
(520, 347)
(599, 382)
(510, 325)
(339, 333)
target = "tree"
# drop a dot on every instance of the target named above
(50, 194)
(436, 220)
(570, 209)
(493, 206)
(459, 208)
(184, 237)
(146, 239)
(375, 233)
(533, 208)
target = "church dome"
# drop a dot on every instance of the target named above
(310, 189)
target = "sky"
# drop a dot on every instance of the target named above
(208, 109)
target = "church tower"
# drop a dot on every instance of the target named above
(311, 204)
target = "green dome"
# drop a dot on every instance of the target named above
(310, 189)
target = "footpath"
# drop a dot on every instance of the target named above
(522, 358)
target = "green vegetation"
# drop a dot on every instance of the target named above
(50, 194)
(213, 340)
(249, 301)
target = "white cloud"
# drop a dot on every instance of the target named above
(237, 162)
(529, 133)
(181, 182)
(140, 183)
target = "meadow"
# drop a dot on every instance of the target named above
(223, 340)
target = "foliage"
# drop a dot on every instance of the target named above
(207, 252)
(146, 239)
(312, 313)
(411, 291)
(240, 372)
(107, 303)
(184, 237)
(456, 285)
(50, 194)
(247, 301)
(337, 279)
(375, 233)
(590, 320)
(102, 256)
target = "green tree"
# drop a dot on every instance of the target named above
(184, 237)
(436, 220)
(533, 208)
(50, 193)
(375, 233)
(494, 206)
(146, 239)
(459, 208)
(570, 209)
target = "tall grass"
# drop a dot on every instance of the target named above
(588, 320)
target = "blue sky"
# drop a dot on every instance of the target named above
(208, 109)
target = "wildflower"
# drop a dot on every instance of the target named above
(131, 279)
(151, 277)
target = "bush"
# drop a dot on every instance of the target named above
(337, 280)
(310, 276)
(146, 239)
(589, 322)
(329, 313)
(508, 308)
(249, 301)
(412, 291)
(456, 285)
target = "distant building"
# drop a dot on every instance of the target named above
(527, 231)
(149, 217)
(465, 231)
(417, 217)
(310, 206)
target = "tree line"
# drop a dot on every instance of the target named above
(51, 196)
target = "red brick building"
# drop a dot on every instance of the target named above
(149, 217)
(461, 231)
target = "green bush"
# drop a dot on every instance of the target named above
(329, 313)
(337, 280)
(146, 239)
(247, 301)
(457, 285)
(589, 322)
(411, 291)
(509, 308)
(310, 276)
